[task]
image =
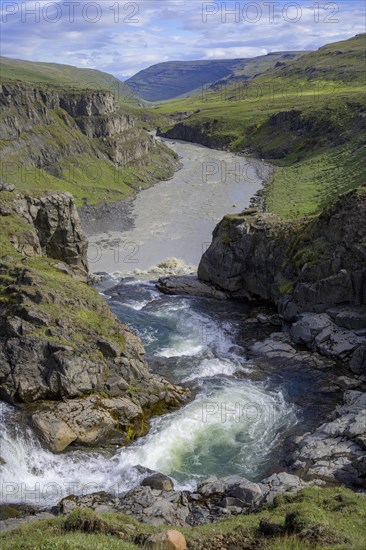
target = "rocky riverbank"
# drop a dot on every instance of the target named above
(155, 501)
(314, 273)
(76, 373)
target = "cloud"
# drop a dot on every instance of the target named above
(124, 37)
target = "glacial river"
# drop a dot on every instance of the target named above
(237, 422)
(175, 218)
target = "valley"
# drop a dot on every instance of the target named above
(153, 374)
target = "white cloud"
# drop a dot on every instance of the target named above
(127, 42)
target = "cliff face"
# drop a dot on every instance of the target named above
(201, 134)
(57, 230)
(318, 264)
(314, 271)
(52, 136)
(77, 373)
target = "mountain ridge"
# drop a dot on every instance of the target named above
(172, 79)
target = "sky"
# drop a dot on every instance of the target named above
(123, 37)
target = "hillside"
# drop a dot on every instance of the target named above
(65, 76)
(307, 117)
(172, 79)
(81, 141)
(340, 61)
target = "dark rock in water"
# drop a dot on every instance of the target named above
(358, 362)
(189, 285)
(159, 482)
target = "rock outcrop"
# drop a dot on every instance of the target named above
(57, 227)
(214, 498)
(189, 285)
(318, 264)
(78, 374)
(314, 271)
(336, 451)
(198, 133)
(43, 125)
(80, 381)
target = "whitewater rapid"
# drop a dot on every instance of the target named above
(234, 425)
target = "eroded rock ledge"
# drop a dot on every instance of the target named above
(77, 373)
(155, 501)
(316, 264)
(314, 271)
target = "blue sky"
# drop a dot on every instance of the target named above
(123, 37)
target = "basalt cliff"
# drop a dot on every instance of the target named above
(82, 141)
(76, 374)
(313, 270)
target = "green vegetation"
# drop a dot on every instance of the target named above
(83, 311)
(177, 78)
(54, 155)
(66, 77)
(307, 117)
(315, 518)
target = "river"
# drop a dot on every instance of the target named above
(175, 218)
(238, 421)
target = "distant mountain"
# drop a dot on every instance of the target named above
(178, 78)
(65, 76)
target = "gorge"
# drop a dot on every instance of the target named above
(152, 374)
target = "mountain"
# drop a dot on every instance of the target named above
(342, 62)
(176, 78)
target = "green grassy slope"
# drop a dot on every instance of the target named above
(319, 140)
(314, 519)
(54, 155)
(65, 76)
(176, 78)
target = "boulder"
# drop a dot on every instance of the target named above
(156, 507)
(159, 482)
(55, 432)
(9, 187)
(89, 421)
(167, 540)
(189, 285)
(358, 361)
(308, 326)
(336, 451)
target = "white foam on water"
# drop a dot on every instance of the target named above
(209, 368)
(181, 349)
(230, 428)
